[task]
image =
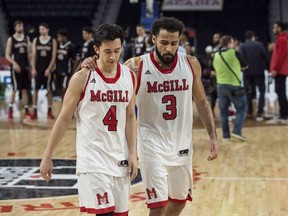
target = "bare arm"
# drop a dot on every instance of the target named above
(203, 107)
(33, 57)
(29, 50)
(131, 128)
(54, 53)
(8, 55)
(71, 99)
(133, 64)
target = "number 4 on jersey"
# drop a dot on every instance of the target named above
(110, 119)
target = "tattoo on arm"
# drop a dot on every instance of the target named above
(206, 116)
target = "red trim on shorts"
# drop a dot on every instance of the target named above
(164, 71)
(109, 79)
(97, 211)
(139, 75)
(157, 204)
(190, 66)
(87, 81)
(189, 198)
(121, 213)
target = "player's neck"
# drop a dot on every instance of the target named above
(107, 71)
(44, 37)
(18, 35)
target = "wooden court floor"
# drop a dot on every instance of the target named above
(248, 178)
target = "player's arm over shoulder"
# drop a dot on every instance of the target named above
(133, 64)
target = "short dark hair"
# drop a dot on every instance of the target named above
(63, 32)
(282, 25)
(44, 24)
(17, 22)
(141, 25)
(249, 34)
(109, 32)
(225, 40)
(170, 24)
(88, 29)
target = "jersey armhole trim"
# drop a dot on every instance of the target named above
(139, 76)
(190, 65)
(133, 78)
(84, 90)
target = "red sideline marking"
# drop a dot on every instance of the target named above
(136, 197)
(36, 176)
(13, 154)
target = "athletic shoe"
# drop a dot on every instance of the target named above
(27, 115)
(50, 115)
(34, 116)
(239, 137)
(226, 140)
(259, 118)
(10, 113)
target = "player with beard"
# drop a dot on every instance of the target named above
(167, 80)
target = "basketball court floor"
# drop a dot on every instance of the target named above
(247, 179)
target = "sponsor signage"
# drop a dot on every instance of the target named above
(192, 5)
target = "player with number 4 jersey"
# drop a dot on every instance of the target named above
(104, 101)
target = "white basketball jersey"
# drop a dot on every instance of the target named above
(165, 112)
(101, 121)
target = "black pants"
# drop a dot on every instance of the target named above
(254, 81)
(280, 88)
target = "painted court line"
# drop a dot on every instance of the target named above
(246, 178)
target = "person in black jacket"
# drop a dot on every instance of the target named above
(257, 58)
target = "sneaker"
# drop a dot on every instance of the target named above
(259, 118)
(27, 115)
(34, 116)
(10, 113)
(227, 140)
(283, 120)
(239, 137)
(50, 115)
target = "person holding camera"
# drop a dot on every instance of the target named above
(228, 64)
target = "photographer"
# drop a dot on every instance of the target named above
(227, 64)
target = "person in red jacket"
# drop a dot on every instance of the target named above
(279, 68)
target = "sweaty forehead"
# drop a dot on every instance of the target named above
(166, 35)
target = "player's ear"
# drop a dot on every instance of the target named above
(154, 39)
(96, 49)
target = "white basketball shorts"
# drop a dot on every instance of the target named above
(163, 183)
(100, 193)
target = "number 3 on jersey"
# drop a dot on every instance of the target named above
(171, 102)
(110, 119)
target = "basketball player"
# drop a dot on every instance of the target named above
(18, 48)
(87, 48)
(44, 50)
(104, 100)
(140, 44)
(167, 80)
(65, 60)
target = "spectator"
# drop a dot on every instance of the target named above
(227, 64)
(258, 61)
(279, 68)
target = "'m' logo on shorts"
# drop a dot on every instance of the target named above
(102, 199)
(151, 194)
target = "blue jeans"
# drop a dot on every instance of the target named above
(225, 97)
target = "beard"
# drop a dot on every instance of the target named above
(167, 58)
